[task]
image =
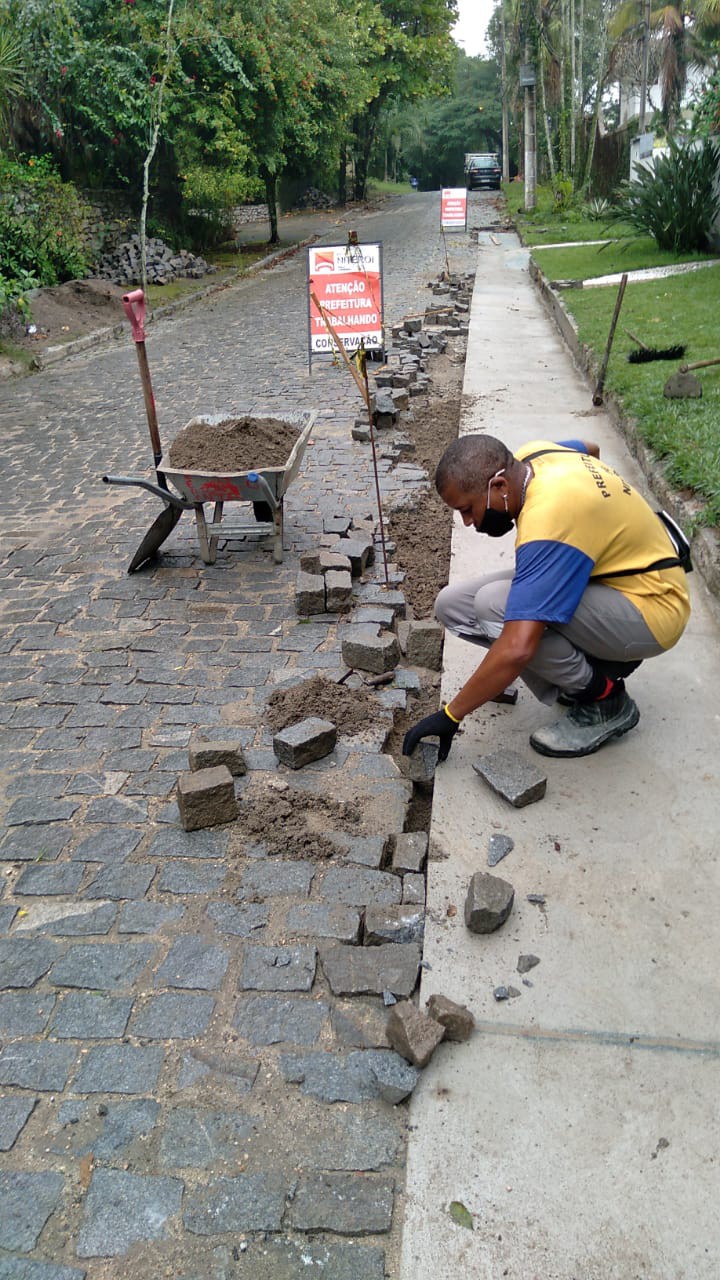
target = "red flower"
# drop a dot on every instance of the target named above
(58, 133)
(63, 71)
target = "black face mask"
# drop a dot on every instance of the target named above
(496, 523)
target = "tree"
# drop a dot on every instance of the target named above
(468, 118)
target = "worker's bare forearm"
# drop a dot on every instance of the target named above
(504, 661)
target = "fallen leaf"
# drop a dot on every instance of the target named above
(461, 1215)
(452, 911)
(85, 1170)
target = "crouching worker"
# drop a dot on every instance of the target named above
(598, 586)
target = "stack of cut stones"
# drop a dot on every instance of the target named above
(405, 372)
(123, 265)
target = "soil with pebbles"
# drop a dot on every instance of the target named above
(350, 710)
(289, 824)
(234, 445)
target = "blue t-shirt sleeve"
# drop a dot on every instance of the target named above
(549, 580)
(577, 445)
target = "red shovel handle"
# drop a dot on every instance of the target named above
(134, 304)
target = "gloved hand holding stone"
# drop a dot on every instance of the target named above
(439, 725)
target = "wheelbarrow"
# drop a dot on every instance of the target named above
(264, 487)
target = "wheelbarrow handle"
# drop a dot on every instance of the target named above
(168, 498)
(254, 477)
(134, 304)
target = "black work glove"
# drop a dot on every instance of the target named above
(440, 725)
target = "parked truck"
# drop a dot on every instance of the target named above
(482, 169)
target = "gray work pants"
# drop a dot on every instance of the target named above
(605, 625)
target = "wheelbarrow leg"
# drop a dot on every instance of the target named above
(208, 545)
(278, 535)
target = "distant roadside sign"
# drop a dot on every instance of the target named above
(347, 282)
(453, 208)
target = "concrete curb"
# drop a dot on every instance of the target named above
(705, 542)
(52, 355)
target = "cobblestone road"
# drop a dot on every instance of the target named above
(183, 1095)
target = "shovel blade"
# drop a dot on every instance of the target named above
(160, 529)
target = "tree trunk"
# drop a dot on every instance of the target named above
(271, 199)
(546, 123)
(573, 93)
(598, 108)
(530, 139)
(504, 89)
(342, 176)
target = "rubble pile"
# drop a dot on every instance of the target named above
(122, 266)
(312, 198)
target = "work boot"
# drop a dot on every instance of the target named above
(587, 726)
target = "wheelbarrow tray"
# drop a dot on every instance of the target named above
(258, 484)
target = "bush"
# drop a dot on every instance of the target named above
(676, 199)
(41, 223)
(209, 197)
(14, 306)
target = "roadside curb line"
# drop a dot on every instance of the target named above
(53, 355)
(705, 542)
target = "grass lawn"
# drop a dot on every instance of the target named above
(680, 309)
(586, 261)
(553, 224)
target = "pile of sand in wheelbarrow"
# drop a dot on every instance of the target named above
(234, 445)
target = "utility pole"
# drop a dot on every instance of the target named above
(505, 112)
(645, 59)
(527, 80)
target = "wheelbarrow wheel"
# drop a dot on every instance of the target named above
(263, 512)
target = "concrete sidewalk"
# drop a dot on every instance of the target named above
(579, 1125)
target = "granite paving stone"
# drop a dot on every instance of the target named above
(118, 1068)
(111, 809)
(36, 813)
(60, 878)
(108, 1130)
(36, 1064)
(124, 882)
(344, 1203)
(171, 1016)
(147, 917)
(27, 1201)
(24, 1014)
(7, 915)
(124, 1208)
(322, 920)
(248, 1202)
(109, 844)
(242, 921)
(102, 966)
(187, 877)
(196, 1138)
(82, 1015)
(189, 844)
(287, 1259)
(278, 968)
(267, 1020)
(24, 960)
(356, 887)
(371, 970)
(352, 1137)
(69, 919)
(26, 1269)
(27, 844)
(229, 1068)
(268, 879)
(193, 964)
(353, 1077)
(14, 1115)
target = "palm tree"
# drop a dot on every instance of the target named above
(12, 71)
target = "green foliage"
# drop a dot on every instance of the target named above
(599, 209)
(209, 196)
(40, 222)
(675, 199)
(14, 306)
(707, 112)
(466, 119)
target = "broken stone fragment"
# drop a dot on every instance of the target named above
(393, 924)
(512, 777)
(424, 644)
(300, 744)
(498, 848)
(413, 1034)
(206, 798)
(488, 903)
(455, 1018)
(204, 754)
(526, 963)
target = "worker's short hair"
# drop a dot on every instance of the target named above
(471, 462)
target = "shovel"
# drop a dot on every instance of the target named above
(163, 525)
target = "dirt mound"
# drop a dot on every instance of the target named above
(350, 710)
(291, 824)
(71, 310)
(237, 444)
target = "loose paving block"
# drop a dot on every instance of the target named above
(309, 594)
(124, 1208)
(359, 550)
(414, 888)
(322, 561)
(508, 696)
(338, 590)
(27, 1201)
(455, 1018)
(424, 644)
(299, 744)
(248, 1202)
(209, 754)
(366, 651)
(512, 777)
(409, 852)
(206, 798)
(421, 764)
(413, 1034)
(345, 1203)
(354, 971)
(401, 398)
(393, 924)
(488, 903)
